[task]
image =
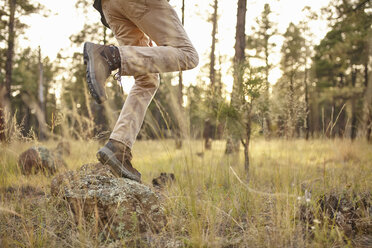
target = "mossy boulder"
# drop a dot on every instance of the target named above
(39, 159)
(119, 205)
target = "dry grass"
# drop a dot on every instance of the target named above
(207, 206)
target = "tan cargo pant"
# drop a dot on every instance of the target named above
(135, 23)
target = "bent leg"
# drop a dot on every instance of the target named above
(133, 112)
(157, 19)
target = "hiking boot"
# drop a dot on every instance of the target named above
(118, 157)
(100, 61)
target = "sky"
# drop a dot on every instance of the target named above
(52, 33)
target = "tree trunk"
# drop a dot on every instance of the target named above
(10, 51)
(307, 109)
(368, 95)
(291, 117)
(207, 133)
(239, 59)
(246, 145)
(267, 90)
(212, 72)
(180, 93)
(2, 119)
(5, 90)
(353, 106)
(180, 76)
(42, 123)
(246, 139)
(369, 128)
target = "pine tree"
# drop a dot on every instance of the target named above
(260, 42)
(214, 94)
(338, 59)
(181, 117)
(12, 27)
(25, 91)
(292, 65)
(233, 143)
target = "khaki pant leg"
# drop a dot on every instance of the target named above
(158, 20)
(133, 112)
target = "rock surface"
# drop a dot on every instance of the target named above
(121, 205)
(39, 159)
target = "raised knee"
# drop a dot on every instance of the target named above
(193, 59)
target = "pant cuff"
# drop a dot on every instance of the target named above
(121, 140)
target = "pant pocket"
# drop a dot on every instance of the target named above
(136, 8)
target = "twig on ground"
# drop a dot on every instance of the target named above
(260, 192)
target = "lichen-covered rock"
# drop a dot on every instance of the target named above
(39, 159)
(120, 205)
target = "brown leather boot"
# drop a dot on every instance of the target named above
(100, 61)
(118, 157)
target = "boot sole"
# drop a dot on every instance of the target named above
(90, 75)
(107, 157)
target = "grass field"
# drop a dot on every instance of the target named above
(210, 204)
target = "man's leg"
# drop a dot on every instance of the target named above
(130, 20)
(157, 19)
(136, 104)
(127, 19)
(133, 112)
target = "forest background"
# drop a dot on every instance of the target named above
(306, 86)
